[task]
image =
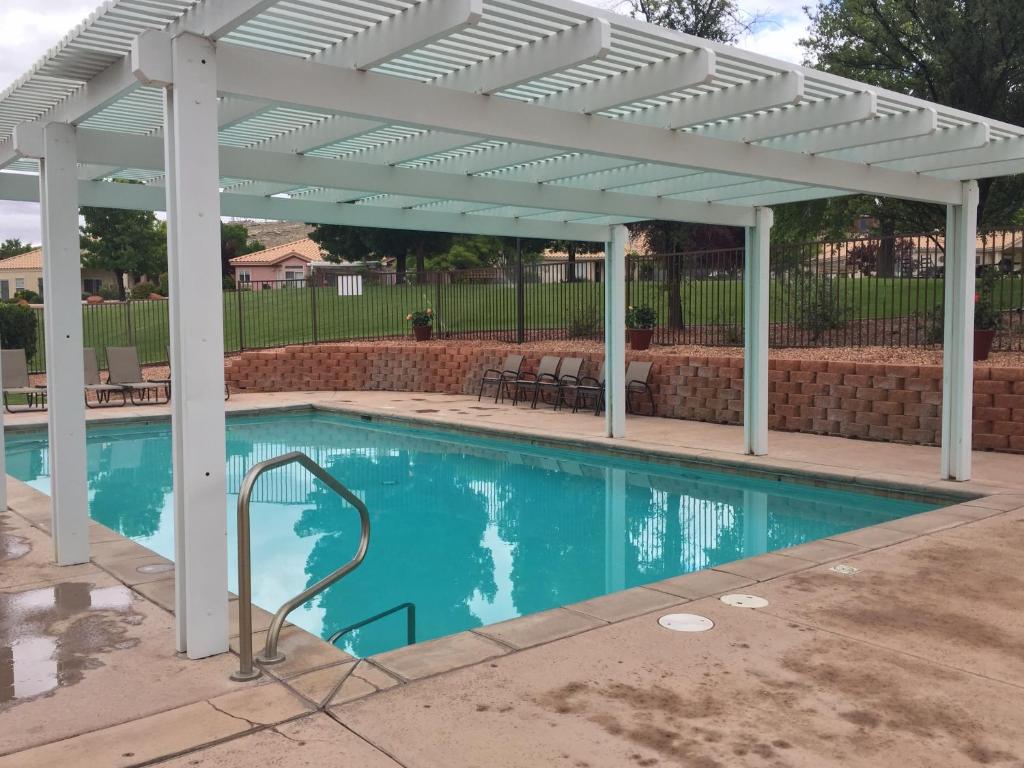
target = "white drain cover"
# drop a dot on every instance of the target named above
(845, 570)
(686, 622)
(744, 601)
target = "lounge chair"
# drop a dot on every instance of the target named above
(503, 379)
(125, 371)
(588, 388)
(528, 383)
(568, 376)
(637, 376)
(17, 382)
(98, 388)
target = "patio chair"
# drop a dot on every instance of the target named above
(568, 376)
(98, 388)
(125, 371)
(528, 382)
(503, 379)
(588, 388)
(16, 382)
(637, 376)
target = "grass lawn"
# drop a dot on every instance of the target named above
(286, 316)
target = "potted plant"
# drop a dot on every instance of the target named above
(987, 319)
(421, 321)
(640, 322)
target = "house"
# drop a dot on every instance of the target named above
(286, 265)
(24, 272)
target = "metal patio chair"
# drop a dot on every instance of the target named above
(126, 372)
(93, 384)
(528, 382)
(638, 375)
(503, 379)
(16, 382)
(589, 388)
(568, 376)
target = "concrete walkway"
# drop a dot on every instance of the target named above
(910, 656)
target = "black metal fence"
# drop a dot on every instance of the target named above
(860, 292)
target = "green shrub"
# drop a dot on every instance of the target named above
(584, 322)
(163, 289)
(228, 283)
(641, 316)
(30, 296)
(110, 293)
(816, 304)
(143, 290)
(18, 328)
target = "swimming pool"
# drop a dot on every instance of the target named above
(468, 530)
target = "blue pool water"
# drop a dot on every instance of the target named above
(469, 530)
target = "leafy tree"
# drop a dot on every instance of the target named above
(234, 241)
(719, 20)
(124, 242)
(13, 246)
(367, 243)
(962, 54)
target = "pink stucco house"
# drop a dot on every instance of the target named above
(280, 266)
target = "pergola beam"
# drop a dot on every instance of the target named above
(921, 122)
(216, 19)
(103, 194)
(145, 152)
(938, 143)
(287, 80)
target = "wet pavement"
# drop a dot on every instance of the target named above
(907, 655)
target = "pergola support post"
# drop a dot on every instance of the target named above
(615, 332)
(958, 335)
(197, 350)
(62, 316)
(755, 333)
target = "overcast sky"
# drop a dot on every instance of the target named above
(30, 27)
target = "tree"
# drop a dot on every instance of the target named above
(966, 55)
(234, 241)
(713, 20)
(571, 248)
(13, 246)
(124, 242)
(366, 243)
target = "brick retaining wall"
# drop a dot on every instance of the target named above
(894, 403)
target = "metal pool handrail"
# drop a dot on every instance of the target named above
(270, 654)
(410, 623)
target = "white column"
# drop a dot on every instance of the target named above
(615, 332)
(197, 350)
(62, 320)
(756, 274)
(958, 335)
(615, 529)
(755, 523)
(3, 455)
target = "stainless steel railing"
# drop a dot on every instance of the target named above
(271, 654)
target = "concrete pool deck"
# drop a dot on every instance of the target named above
(914, 659)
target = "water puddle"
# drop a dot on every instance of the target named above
(49, 637)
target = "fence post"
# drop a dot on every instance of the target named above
(128, 321)
(241, 325)
(520, 295)
(437, 302)
(312, 306)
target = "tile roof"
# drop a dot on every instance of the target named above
(305, 249)
(23, 261)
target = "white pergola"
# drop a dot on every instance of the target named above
(532, 118)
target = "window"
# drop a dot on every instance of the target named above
(39, 288)
(244, 276)
(91, 285)
(293, 274)
(19, 284)
(5, 289)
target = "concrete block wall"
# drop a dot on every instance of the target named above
(893, 403)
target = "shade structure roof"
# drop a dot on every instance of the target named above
(534, 117)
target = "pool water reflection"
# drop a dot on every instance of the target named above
(468, 530)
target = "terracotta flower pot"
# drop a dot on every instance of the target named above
(640, 338)
(983, 343)
(422, 332)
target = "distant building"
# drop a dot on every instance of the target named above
(286, 265)
(24, 272)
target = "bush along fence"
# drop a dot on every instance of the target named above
(861, 292)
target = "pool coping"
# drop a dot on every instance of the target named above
(438, 656)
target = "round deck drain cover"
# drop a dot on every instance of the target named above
(155, 568)
(744, 601)
(686, 622)
(845, 570)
